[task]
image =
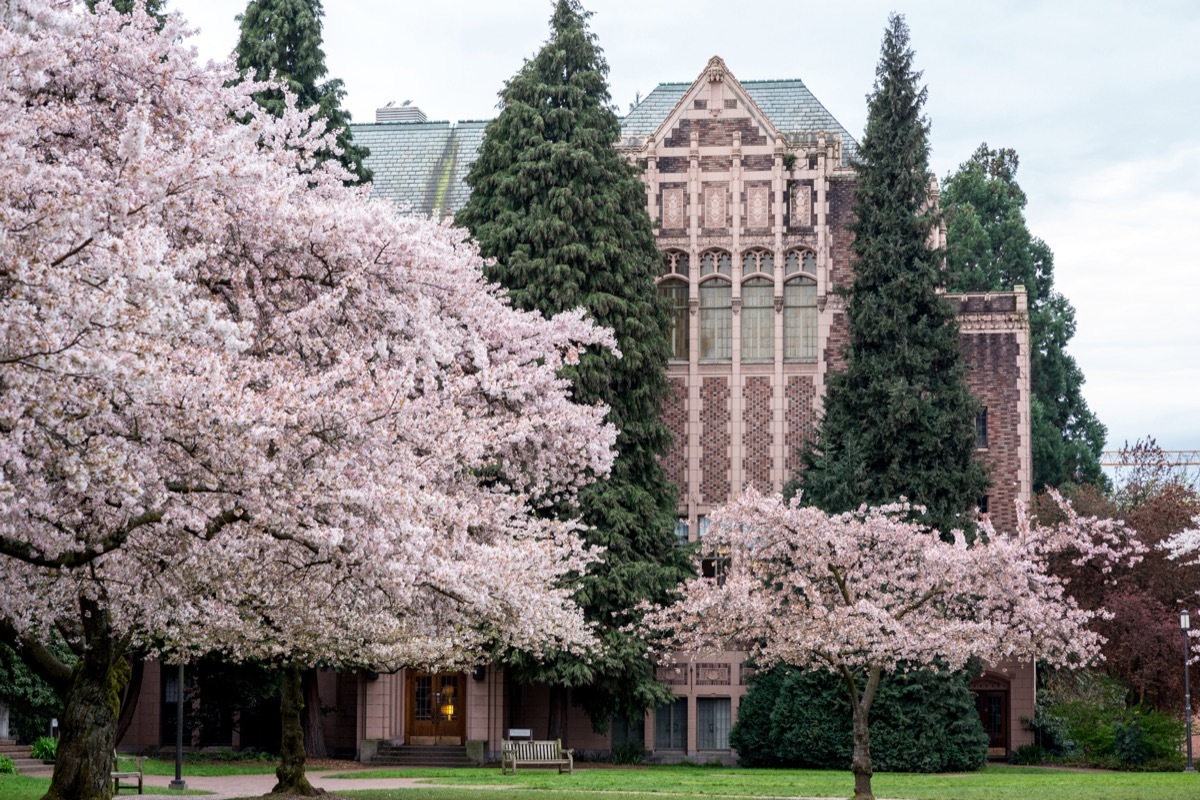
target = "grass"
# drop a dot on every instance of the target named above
(667, 783)
(155, 766)
(22, 787)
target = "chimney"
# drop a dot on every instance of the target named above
(405, 112)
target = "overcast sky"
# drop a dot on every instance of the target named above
(1100, 98)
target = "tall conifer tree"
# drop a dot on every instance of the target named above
(989, 248)
(563, 214)
(284, 37)
(899, 420)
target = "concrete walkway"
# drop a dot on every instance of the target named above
(227, 786)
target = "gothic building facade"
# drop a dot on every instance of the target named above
(750, 190)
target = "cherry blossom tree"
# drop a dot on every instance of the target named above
(242, 407)
(868, 592)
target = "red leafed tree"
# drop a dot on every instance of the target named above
(246, 409)
(866, 592)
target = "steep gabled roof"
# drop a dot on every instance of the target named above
(422, 165)
(788, 104)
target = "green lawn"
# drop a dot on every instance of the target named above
(154, 766)
(21, 787)
(664, 783)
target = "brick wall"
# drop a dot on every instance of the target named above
(675, 418)
(840, 195)
(800, 418)
(714, 440)
(993, 375)
(716, 132)
(757, 439)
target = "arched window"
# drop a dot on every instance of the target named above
(676, 293)
(800, 261)
(800, 319)
(758, 320)
(716, 262)
(758, 261)
(716, 319)
(675, 262)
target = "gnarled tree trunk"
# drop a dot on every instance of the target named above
(860, 763)
(89, 725)
(290, 773)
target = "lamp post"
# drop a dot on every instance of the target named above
(179, 783)
(1185, 623)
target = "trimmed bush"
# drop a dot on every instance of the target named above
(6, 765)
(921, 721)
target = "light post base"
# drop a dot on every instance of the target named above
(178, 786)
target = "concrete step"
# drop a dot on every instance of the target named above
(401, 756)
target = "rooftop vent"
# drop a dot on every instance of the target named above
(405, 112)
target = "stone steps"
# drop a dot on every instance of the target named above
(33, 767)
(403, 756)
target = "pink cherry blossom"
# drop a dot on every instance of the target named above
(244, 408)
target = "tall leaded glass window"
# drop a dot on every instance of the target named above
(716, 320)
(800, 319)
(676, 293)
(758, 320)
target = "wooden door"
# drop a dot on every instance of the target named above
(436, 708)
(993, 712)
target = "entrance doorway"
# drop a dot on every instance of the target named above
(991, 701)
(436, 708)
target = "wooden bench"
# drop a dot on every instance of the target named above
(119, 775)
(538, 754)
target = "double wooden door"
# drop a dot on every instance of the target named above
(436, 708)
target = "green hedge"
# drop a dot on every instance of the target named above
(921, 721)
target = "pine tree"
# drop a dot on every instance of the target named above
(283, 37)
(899, 420)
(564, 216)
(989, 248)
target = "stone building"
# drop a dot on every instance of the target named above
(750, 189)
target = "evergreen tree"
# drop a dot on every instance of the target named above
(564, 216)
(284, 37)
(989, 248)
(899, 420)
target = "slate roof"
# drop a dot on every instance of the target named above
(789, 105)
(421, 165)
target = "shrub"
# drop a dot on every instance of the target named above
(45, 748)
(1082, 719)
(628, 753)
(922, 721)
(1028, 755)
(6, 765)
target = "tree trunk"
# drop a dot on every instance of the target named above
(556, 723)
(314, 730)
(291, 748)
(860, 763)
(129, 698)
(89, 724)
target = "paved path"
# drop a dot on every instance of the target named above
(226, 786)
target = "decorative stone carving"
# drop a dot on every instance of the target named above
(758, 207)
(673, 209)
(712, 674)
(714, 206)
(716, 70)
(778, 304)
(693, 306)
(802, 205)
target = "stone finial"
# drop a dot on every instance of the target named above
(716, 70)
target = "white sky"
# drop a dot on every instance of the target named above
(1100, 98)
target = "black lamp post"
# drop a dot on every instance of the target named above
(179, 783)
(1185, 623)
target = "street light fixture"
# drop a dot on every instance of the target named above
(1185, 623)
